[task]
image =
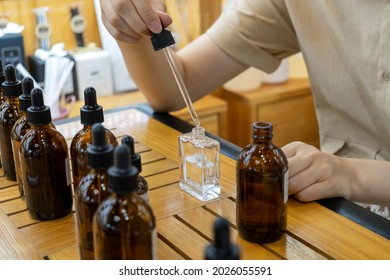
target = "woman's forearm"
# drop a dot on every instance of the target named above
(151, 73)
(372, 181)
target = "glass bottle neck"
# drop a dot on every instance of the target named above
(41, 127)
(198, 132)
(23, 114)
(99, 171)
(262, 133)
(123, 196)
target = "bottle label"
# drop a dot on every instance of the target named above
(154, 244)
(67, 170)
(145, 196)
(285, 183)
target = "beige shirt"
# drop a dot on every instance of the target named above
(346, 48)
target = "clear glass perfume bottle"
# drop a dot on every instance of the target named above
(199, 154)
(199, 164)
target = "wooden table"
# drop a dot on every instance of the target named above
(288, 106)
(184, 224)
(212, 111)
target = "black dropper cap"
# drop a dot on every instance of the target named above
(2, 74)
(99, 153)
(38, 113)
(12, 87)
(122, 176)
(25, 98)
(222, 249)
(162, 40)
(135, 158)
(91, 112)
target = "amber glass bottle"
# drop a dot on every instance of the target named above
(92, 189)
(90, 114)
(20, 128)
(124, 225)
(45, 164)
(262, 188)
(2, 79)
(143, 186)
(9, 114)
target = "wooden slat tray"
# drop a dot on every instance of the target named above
(184, 224)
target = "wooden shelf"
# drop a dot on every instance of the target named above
(288, 106)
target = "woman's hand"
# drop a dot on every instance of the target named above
(130, 20)
(315, 175)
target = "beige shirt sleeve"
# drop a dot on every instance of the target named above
(257, 33)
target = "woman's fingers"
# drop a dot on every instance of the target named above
(130, 20)
(312, 173)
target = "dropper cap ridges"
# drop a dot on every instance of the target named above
(162, 40)
(25, 98)
(222, 249)
(135, 158)
(122, 176)
(12, 87)
(100, 152)
(91, 112)
(38, 113)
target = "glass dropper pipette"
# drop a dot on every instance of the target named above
(162, 41)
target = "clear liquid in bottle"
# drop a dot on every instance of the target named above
(199, 164)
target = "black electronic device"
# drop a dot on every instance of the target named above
(12, 50)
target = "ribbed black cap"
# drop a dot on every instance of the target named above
(162, 40)
(2, 74)
(38, 113)
(91, 112)
(222, 249)
(12, 87)
(99, 153)
(135, 158)
(122, 176)
(25, 98)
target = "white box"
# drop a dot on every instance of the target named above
(121, 78)
(93, 69)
